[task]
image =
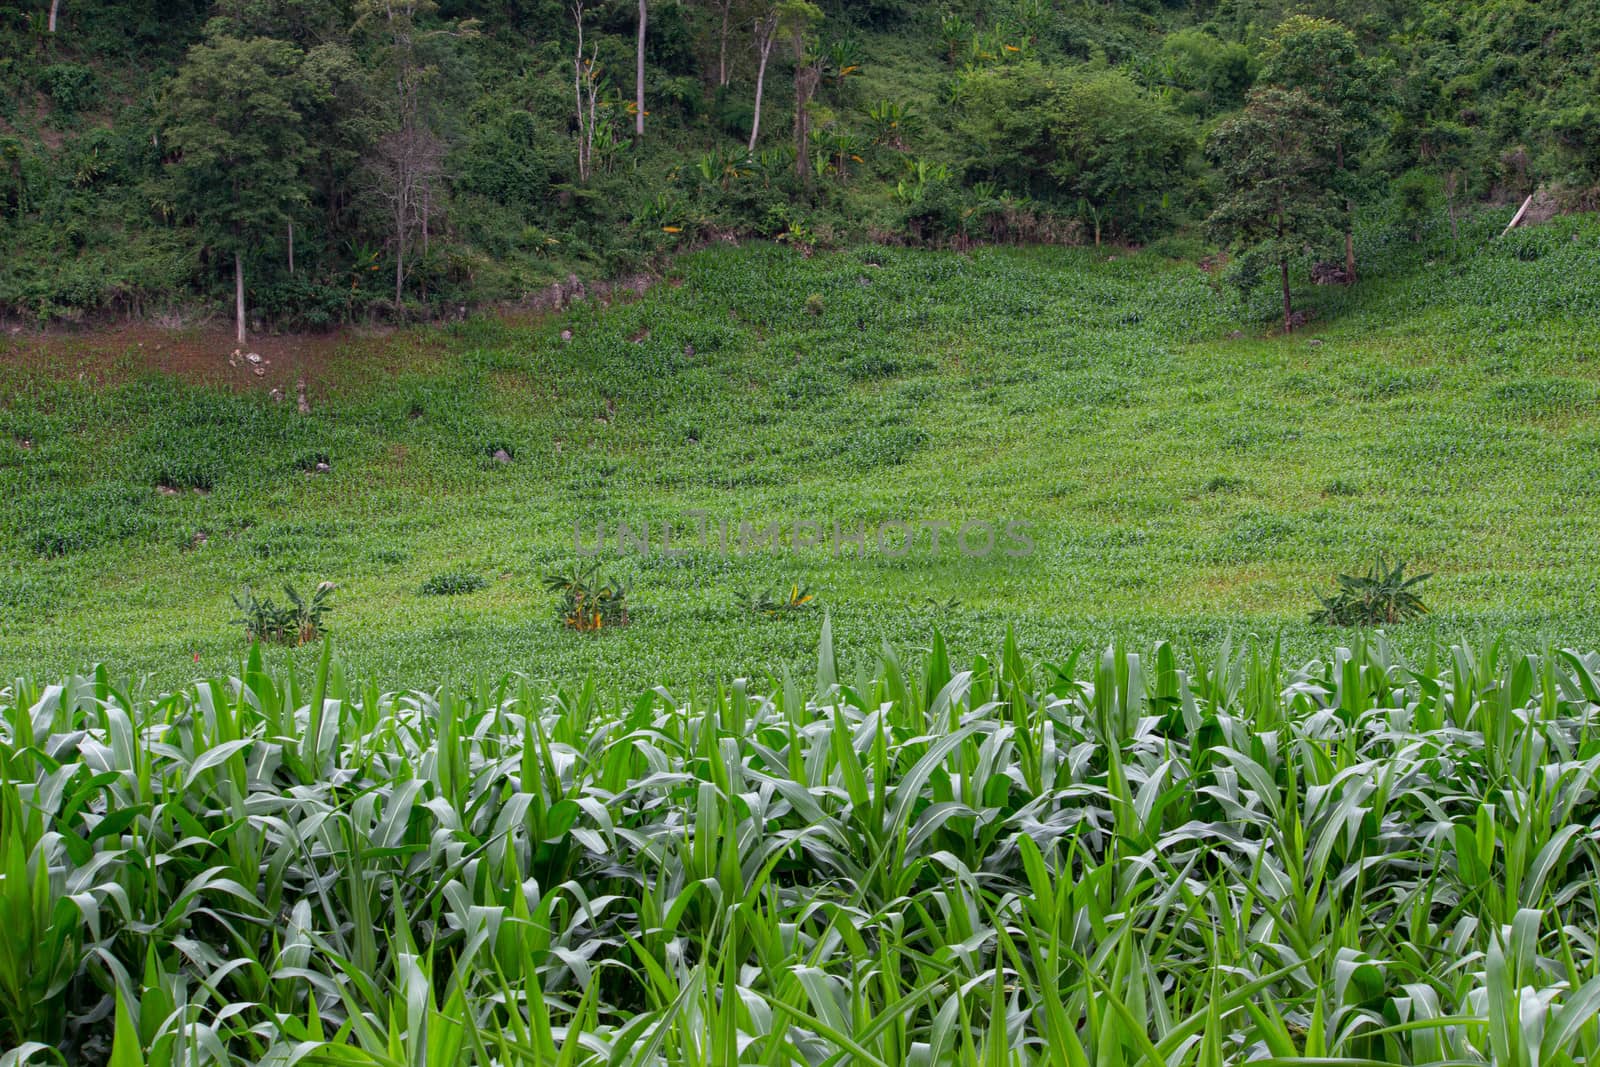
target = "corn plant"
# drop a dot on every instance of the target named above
(1148, 857)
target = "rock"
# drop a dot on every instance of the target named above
(167, 490)
(259, 372)
(253, 357)
(201, 492)
(1315, 342)
(502, 456)
(1329, 274)
(300, 400)
(688, 351)
(200, 537)
(322, 468)
(863, 281)
(1236, 335)
(566, 337)
(25, 443)
(276, 395)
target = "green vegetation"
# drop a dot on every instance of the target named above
(1131, 858)
(1182, 482)
(305, 163)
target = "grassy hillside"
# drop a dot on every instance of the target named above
(1185, 477)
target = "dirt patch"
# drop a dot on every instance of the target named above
(274, 363)
(205, 356)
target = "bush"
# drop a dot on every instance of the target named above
(453, 583)
(589, 600)
(298, 622)
(1382, 596)
(71, 87)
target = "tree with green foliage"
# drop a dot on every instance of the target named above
(1320, 58)
(237, 150)
(1445, 147)
(1214, 75)
(1121, 151)
(798, 17)
(1280, 180)
(1096, 140)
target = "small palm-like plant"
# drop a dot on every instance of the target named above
(955, 31)
(299, 622)
(775, 604)
(589, 600)
(1382, 596)
(891, 122)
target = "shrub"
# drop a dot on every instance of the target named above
(296, 623)
(589, 600)
(1382, 596)
(453, 583)
(70, 86)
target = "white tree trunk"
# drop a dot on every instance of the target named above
(638, 73)
(291, 249)
(55, 6)
(238, 296)
(722, 44)
(764, 37)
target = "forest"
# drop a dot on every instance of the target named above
(300, 164)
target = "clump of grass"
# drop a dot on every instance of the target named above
(298, 622)
(1381, 597)
(1341, 487)
(453, 583)
(1224, 483)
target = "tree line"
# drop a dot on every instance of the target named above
(292, 153)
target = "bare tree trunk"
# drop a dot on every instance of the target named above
(291, 249)
(766, 33)
(55, 6)
(806, 77)
(1450, 204)
(722, 44)
(238, 296)
(580, 75)
(399, 251)
(1288, 306)
(1349, 247)
(1349, 229)
(638, 73)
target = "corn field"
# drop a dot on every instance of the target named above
(1114, 859)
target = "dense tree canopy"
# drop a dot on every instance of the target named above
(396, 157)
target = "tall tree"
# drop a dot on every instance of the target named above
(723, 9)
(799, 16)
(586, 89)
(764, 33)
(1279, 173)
(236, 147)
(638, 71)
(409, 154)
(1321, 58)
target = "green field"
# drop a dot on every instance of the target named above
(960, 862)
(1187, 476)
